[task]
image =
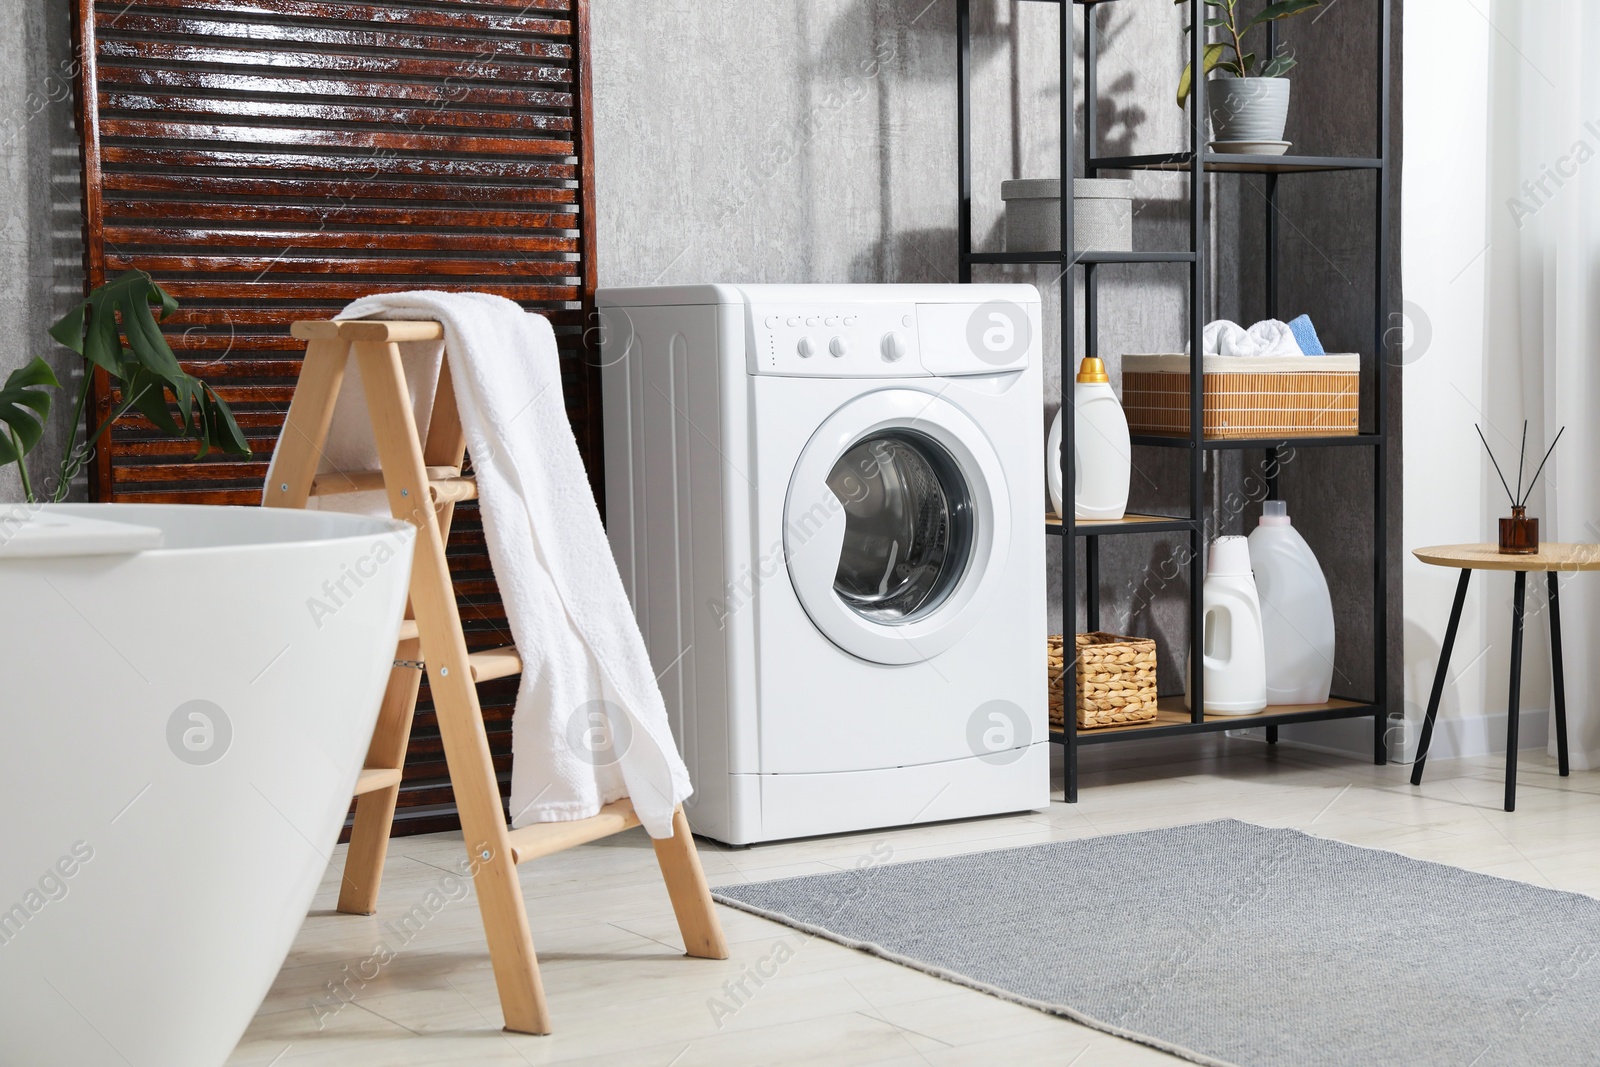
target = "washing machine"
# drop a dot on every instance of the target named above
(827, 504)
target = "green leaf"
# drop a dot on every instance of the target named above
(1216, 22)
(1279, 66)
(1282, 10)
(1213, 56)
(153, 382)
(121, 307)
(24, 405)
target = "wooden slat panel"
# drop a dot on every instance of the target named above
(304, 110)
(364, 164)
(356, 137)
(343, 240)
(398, 220)
(258, 32)
(271, 160)
(260, 266)
(461, 94)
(114, 51)
(387, 15)
(335, 191)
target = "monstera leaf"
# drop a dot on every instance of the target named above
(153, 382)
(92, 328)
(24, 405)
(115, 330)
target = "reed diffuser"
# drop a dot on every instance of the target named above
(1519, 535)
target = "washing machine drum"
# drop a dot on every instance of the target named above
(896, 526)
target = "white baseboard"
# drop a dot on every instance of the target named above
(1477, 735)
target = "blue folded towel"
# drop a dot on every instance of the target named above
(1305, 335)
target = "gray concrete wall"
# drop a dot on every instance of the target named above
(41, 242)
(769, 141)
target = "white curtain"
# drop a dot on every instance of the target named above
(1542, 302)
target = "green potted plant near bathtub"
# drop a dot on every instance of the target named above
(114, 330)
(1248, 109)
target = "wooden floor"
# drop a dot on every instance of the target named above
(621, 992)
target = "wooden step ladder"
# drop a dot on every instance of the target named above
(424, 482)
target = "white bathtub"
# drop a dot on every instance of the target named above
(180, 732)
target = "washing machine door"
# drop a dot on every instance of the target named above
(897, 525)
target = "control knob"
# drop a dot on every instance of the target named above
(893, 347)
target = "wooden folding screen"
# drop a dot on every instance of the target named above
(269, 160)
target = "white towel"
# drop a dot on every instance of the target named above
(1269, 337)
(590, 726)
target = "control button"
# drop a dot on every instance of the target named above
(905, 320)
(893, 347)
(850, 320)
(812, 320)
(806, 348)
(831, 320)
(772, 321)
(838, 347)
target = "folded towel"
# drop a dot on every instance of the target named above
(590, 726)
(1305, 335)
(1269, 337)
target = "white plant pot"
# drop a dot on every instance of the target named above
(1248, 109)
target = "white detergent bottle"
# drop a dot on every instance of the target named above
(1233, 647)
(1296, 608)
(1102, 454)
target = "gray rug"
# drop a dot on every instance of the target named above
(1234, 944)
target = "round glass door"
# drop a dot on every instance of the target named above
(897, 526)
(908, 526)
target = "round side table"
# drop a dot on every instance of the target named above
(1552, 559)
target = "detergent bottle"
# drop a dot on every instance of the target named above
(1102, 454)
(1296, 608)
(1233, 646)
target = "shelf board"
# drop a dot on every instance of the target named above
(1173, 719)
(1346, 440)
(1129, 523)
(1085, 256)
(1228, 163)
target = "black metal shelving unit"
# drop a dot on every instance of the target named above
(1196, 162)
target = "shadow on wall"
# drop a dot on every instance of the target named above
(914, 256)
(1117, 110)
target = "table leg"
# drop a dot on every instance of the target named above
(1439, 677)
(1513, 710)
(1558, 676)
(1272, 735)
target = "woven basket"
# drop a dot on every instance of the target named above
(1242, 403)
(1116, 680)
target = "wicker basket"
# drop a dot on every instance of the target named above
(1116, 680)
(1243, 397)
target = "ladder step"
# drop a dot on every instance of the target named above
(495, 663)
(375, 778)
(548, 838)
(408, 630)
(445, 484)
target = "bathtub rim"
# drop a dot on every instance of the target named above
(361, 525)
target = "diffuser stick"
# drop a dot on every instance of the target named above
(1522, 461)
(1496, 463)
(1542, 462)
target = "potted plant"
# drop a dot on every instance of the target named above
(1248, 110)
(146, 371)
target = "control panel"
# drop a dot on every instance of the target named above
(867, 340)
(890, 339)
